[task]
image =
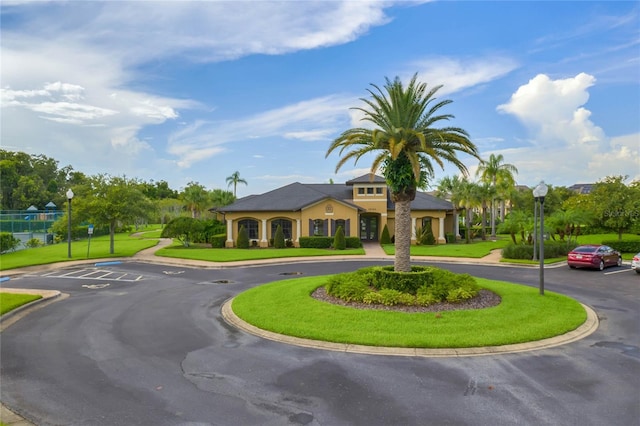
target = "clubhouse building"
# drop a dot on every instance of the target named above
(362, 206)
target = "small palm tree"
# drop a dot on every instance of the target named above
(450, 188)
(234, 180)
(406, 145)
(499, 175)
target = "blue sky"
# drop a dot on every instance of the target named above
(194, 91)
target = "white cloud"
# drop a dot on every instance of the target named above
(458, 74)
(554, 112)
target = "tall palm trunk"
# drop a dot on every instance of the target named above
(402, 261)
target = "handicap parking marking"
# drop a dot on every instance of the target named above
(95, 286)
(95, 274)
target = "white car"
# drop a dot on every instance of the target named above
(635, 263)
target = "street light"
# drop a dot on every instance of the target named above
(539, 192)
(69, 197)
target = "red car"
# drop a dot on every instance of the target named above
(593, 256)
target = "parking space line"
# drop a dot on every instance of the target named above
(617, 272)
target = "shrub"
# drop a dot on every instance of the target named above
(185, 229)
(242, 241)
(386, 277)
(278, 238)
(353, 242)
(425, 299)
(315, 242)
(339, 242)
(525, 251)
(218, 241)
(385, 238)
(624, 246)
(349, 287)
(391, 297)
(8, 242)
(33, 243)
(459, 294)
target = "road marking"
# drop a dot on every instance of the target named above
(93, 274)
(95, 286)
(617, 272)
(172, 272)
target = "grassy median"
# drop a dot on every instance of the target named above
(286, 307)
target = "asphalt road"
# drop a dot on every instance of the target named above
(140, 344)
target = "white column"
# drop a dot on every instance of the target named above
(229, 231)
(264, 230)
(441, 238)
(413, 229)
(456, 225)
(298, 230)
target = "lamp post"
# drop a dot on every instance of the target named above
(69, 197)
(539, 192)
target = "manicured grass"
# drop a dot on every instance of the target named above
(475, 249)
(233, 254)
(599, 238)
(11, 301)
(125, 246)
(286, 307)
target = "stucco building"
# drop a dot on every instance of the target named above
(362, 207)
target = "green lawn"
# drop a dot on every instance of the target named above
(286, 307)
(231, 255)
(475, 249)
(11, 301)
(125, 246)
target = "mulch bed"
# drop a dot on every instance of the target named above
(484, 299)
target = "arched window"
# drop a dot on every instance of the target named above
(251, 226)
(286, 228)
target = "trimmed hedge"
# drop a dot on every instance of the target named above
(327, 242)
(525, 251)
(624, 246)
(421, 287)
(218, 241)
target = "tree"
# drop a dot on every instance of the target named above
(243, 238)
(499, 175)
(278, 238)
(184, 229)
(111, 201)
(339, 241)
(195, 198)
(470, 199)
(617, 205)
(385, 238)
(234, 180)
(450, 188)
(406, 145)
(516, 222)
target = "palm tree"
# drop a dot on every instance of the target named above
(497, 173)
(406, 144)
(234, 180)
(195, 198)
(451, 188)
(469, 199)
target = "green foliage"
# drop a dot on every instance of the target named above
(405, 282)
(385, 237)
(391, 297)
(339, 242)
(218, 241)
(624, 246)
(184, 229)
(242, 242)
(617, 204)
(424, 236)
(525, 251)
(315, 242)
(459, 294)
(8, 242)
(33, 243)
(278, 238)
(350, 287)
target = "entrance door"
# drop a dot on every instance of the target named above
(369, 228)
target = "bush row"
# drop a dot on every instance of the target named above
(525, 251)
(421, 287)
(327, 242)
(624, 246)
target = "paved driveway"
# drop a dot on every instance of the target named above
(155, 351)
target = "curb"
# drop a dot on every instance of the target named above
(48, 297)
(588, 327)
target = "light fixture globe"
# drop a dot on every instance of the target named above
(540, 190)
(69, 194)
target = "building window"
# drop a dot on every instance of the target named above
(251, 226)
(318, 227)
(360, 191)
(370, 190)
(378, 191)
(286, 228)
